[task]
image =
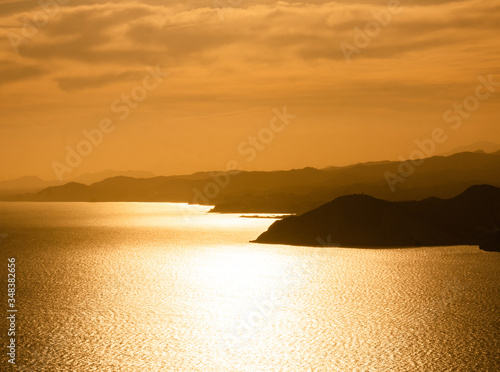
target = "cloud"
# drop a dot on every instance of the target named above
(132, 33)
(227, 75)
(256, 38)
(70, 83)
(10, 73)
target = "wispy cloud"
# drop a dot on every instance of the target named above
(265, 53)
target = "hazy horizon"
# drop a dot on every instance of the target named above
(123, 171)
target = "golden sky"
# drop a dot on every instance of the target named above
(230, 63)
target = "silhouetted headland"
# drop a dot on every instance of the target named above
(471, 218)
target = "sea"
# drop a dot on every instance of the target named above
(170, 287)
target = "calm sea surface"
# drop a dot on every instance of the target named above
(166, 287)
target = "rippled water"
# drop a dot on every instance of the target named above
(165, 287)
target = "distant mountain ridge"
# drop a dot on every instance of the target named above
(437, 176)
(33, 183)
(471, 218)
(90, 178)
(294, 191)
(483, 146)
(27, 182)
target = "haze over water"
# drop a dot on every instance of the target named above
(167, 287)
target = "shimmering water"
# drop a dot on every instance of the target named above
(162, 287)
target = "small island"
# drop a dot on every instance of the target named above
(471, 218)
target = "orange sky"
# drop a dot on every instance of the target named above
(228, 70)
